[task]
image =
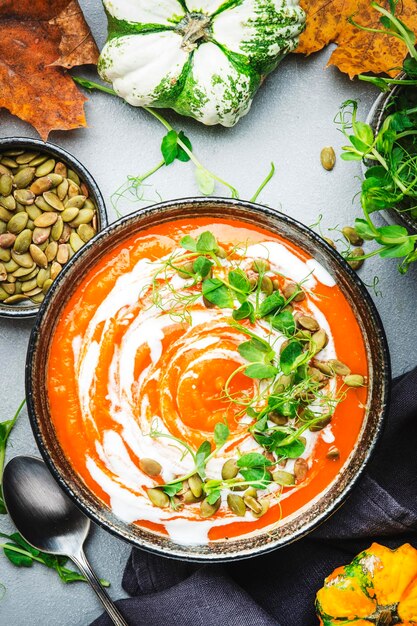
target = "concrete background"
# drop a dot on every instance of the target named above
(290, 121)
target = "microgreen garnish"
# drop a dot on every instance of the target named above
(174, 146)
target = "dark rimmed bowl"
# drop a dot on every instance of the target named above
(376, 117)
(11, 143)
(353, 289)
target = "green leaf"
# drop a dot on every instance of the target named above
(205, 181)
(221, 434)
(271, 304)
(257, 477)
(171, 490)
(291, 356)
(400, 250)
(245, 311)
(261, 371)
(207, 243)
(254, 350)
(169, 147)
(285, 407)
(358, 144)
(364, 230)
(390, 235)
(283, 322)
(188, 243)
(377, 171)
(350, 156)
(200, 458)
(214, 496)
(181, 154)
(238, 280)
(202, 266)
(364, 133)
(18, 539)
(253, 459)
(216, 292)
(21, 560)
(410, 67)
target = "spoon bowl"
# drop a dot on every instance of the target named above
(48, 520)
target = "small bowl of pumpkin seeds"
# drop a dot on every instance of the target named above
(50, 207)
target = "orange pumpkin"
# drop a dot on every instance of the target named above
(379, 588)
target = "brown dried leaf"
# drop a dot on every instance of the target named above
(358, 51)
(38, 38)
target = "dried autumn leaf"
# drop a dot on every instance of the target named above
(358, 51)
(38, 39)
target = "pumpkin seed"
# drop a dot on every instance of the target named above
(17, 297)
(42, 204)
(260, 266)
(25, 157)
(73, 189)
(333, 453)
(189, 497)
(17, 223)
(354, 380)
(3, 272)
(266, 285)
(328, 158)
(8, 202)
(207, 509)
(46, 168)
(3, 227)
(33, 292)
(352, 236)
(68, 215)
(338, 368)
(63, 253)
(291, 289)
(277, 418)
(12, 152)
(330, 242)
(24, 260)
(46, 219)
(55, 269)
(319, 340)
(5, 255)
(62, 189)
(89, 204)
(7, 240)
(84, 217)
(66, 232)
(38, 256)
(22, 272)
(196, 485)
(56, 179)
(11, 266)
(320, 424)
(265, 507)
(73, 176)
(33, 211)
(24, 178)
(23, 241)
(51, 251)
(6, 184)
(47, 285)
(8, 162)
(3, 294)
(38, 299)
(75, 201)
(57, 229)
(86, 232)
(252, 504)
(9, 288)
(308, 322)
(300, 470)
(41, 158)
(40, 185)
(283, 382)
(29, 285)
(236, 504)
(76, 242)
(52, 199)
(24, 196)
(230, 469)
(149, 466)
(251, 492)
(43, 276)
(276, 284)
(354, 263)
(158, 498)
(40, 235)
(285, 479)
(61, 169)
(4, 214)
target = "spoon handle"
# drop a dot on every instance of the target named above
(81, 561)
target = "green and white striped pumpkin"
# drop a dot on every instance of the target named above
(202, 58)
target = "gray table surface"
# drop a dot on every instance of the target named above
(291, 120)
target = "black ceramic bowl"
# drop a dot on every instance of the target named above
(29, 309)
(379, 376)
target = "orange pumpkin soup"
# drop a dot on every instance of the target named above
(213, 377)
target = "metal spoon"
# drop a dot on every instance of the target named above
(48, 519)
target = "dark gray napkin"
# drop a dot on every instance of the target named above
(279, 589)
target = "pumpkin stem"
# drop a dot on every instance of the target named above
(194, 28)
